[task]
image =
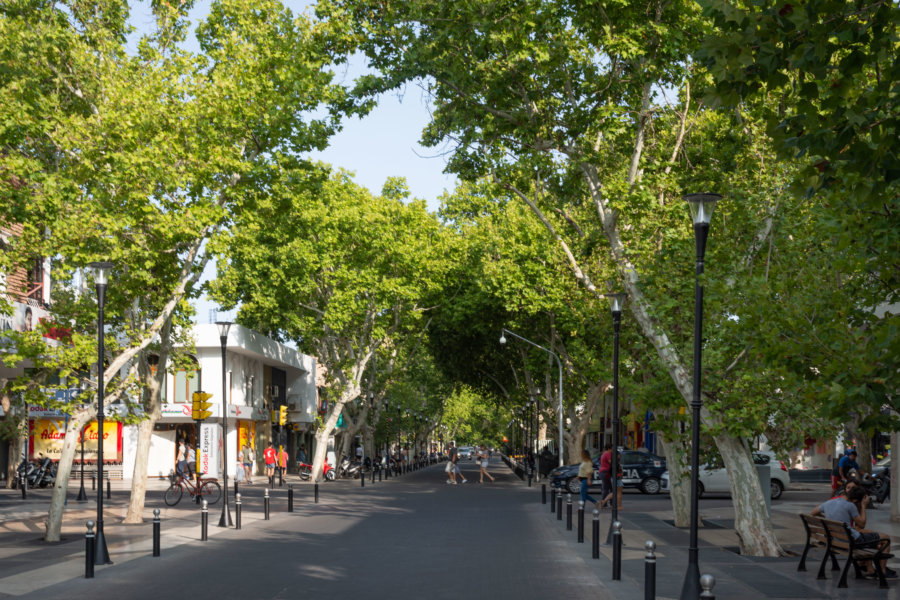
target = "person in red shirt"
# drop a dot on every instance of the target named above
(605, 468)
(269, 458)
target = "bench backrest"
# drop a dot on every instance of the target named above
(815, 528)
(841, 538)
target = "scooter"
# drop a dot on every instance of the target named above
(306, 471)
(26, 469)
(349, 468)
(43, 475)
(881, 488)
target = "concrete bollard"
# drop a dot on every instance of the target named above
(156, 531)
(89, 539)
(595, 539)
(650, 571)
(707, 582)
(559, 507)
(552, 499)
(543, 493)
(581, 521)
(266, 505)
(237, 511)
(617, 550)
(204, 522)
(569, 511)
(290, 497)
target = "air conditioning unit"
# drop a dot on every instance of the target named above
(293, 406)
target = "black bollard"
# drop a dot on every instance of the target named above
(362, 477)
(707, 582)
(23, 484)
(581, 521)
(650, 571)
(552, 499)
(316, 492)
(559, 507)
(89, 540)
(380, 473)
(108, 489)
(280, 477)
(569, 511)
(156, 528)
(93, 482)
(543, 493)
(266, 504)
(373, 474)
(235, 487)
(617, 550)
(204, 522)
(237, 511)
(596, 535)
(529, 477)
(290, 497)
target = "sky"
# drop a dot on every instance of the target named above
(383, 144)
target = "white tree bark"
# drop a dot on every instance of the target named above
(679, 486)
(53, 525)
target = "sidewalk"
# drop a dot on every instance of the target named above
(737, 577)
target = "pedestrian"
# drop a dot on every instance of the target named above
(618, 489)
(269, 458)
(282, 460)
(302, 459)
(191, 460)
(850, 508)
(452, 467)
(482, 460)
(585, 473)
(844, 467)
(239, 471)
(248, 463)
(181, 460)
(605, 468)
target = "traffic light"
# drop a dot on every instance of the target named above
(200, 406)
(282, 415)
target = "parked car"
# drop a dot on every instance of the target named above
(640, 470)
(714, 478)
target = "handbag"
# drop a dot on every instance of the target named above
(449, 467)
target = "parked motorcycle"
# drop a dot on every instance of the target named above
(350, 468)
(306, 471)
(27, 469)
(44, 475)
(881, 487)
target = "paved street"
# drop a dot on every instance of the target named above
(401, 538)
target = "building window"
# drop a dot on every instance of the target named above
(186, 383)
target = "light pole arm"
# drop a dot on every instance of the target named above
(559, 365)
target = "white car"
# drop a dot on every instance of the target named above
(714, 478)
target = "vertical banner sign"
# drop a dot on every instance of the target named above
(209, 449)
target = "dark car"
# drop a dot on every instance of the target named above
(640, 470)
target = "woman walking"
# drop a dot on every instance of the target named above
(483, 463)
(585, 472)
(618, 489)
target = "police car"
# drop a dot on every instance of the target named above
(640, 470)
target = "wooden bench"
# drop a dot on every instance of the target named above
(816, 537)
(836, 538)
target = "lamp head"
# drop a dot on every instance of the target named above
(101, 271)
(502, 340)
(701, 206)
(223, 326)
(616, 302)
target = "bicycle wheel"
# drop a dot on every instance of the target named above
(173, 494)
(211, 491)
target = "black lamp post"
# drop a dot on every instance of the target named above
(225, 518)
(101, 274)
(701, 206)
(615, 303)
(82, 495)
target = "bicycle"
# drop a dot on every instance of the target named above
(208, 488)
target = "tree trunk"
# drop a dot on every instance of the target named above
(368, 437)
(746, 496)
(862, 441)
(322, 436)
(679, 488)
(53, 525)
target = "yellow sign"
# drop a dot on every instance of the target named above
(200, 406)
(48, 436)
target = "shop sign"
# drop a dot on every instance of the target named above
(249, 413)
(48, 437)
(209, 449)
(177, 411)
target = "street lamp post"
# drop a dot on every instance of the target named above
(101, 274)
(225, 518)
(558, 364)
(82, 495)
(701, 206)
(615, 303)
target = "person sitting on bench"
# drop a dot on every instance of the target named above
(850, 508)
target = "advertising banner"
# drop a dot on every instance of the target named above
(209, 447)
(48, 436)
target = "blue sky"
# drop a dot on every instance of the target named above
(383, 144)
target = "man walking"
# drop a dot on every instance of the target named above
(605, 468)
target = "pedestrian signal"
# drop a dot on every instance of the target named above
(282, 415)
(200, 406)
